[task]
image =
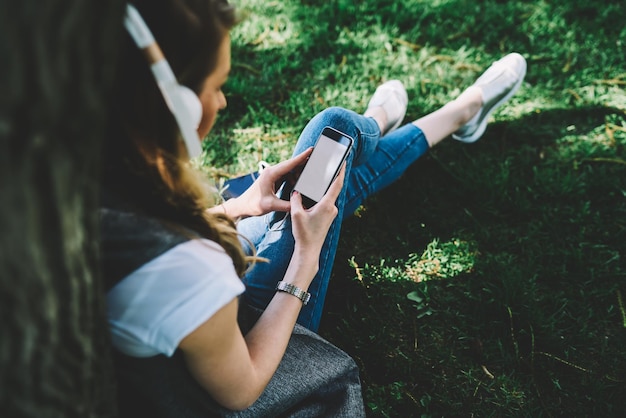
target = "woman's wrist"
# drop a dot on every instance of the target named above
(303, 295)
(301, 270)
(306, 254)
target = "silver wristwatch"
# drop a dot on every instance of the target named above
(294, 290)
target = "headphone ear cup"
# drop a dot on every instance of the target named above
(182, 101)
(189, 103)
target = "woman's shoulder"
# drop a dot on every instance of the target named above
(129, 239)
(197, 255)
(193, 262)
(154, 307)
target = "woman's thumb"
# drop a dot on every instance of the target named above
(296, 202)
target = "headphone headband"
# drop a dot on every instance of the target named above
(181, 101)
(136, 26)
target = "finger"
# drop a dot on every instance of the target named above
(296, 202)
(284, 167)
(279, 205)
(336, 186)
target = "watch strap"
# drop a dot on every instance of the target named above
(294, 290)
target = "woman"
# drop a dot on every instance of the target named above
(185, 343)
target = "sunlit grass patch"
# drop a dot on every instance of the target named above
(440, 260)
(267, 25)
(602, 142)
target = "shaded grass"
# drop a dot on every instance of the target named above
(531, 323)
(539, 310)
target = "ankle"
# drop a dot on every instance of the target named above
(388, 106)
(469, 102)
(379, 115)
(492, 89)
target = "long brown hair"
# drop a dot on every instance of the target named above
(143, 158)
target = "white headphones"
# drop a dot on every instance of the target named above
(181, 100)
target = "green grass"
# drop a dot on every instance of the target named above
(490, 280)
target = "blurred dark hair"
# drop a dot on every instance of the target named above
(145, 163)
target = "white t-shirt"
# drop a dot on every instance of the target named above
(151, 310)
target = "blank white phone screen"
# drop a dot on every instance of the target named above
(320, 168)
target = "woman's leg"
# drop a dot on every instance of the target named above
(385, 160)
(394, 154)
(401, 148)
(465, 118)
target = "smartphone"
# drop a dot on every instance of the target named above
(329, 153)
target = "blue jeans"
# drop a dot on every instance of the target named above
(373, 164)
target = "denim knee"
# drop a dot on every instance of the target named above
(364, 131)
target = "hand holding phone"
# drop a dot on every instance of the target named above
(329, 153)
(259, 195)
(310, 226)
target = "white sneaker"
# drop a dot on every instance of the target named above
(392, 97)
(498, 84)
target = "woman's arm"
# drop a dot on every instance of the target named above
(235, 369)
(260, 198)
